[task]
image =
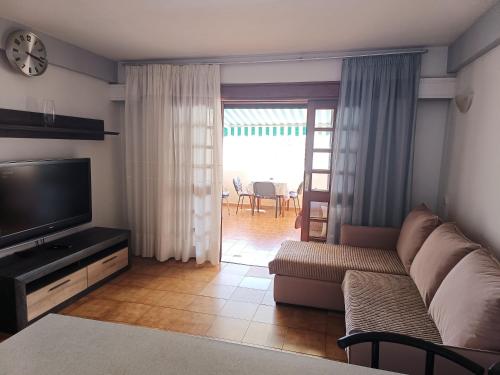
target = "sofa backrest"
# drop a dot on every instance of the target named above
(417, 226)
(466, 306)
(441, 251)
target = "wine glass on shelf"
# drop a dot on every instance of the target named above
(49, 112)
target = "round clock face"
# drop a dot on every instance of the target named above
(26, 52)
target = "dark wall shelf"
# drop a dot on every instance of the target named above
(24, 124)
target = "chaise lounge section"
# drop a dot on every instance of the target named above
(311, 274)
(426, 281)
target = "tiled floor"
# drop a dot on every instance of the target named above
(254, 240)
(230, 302)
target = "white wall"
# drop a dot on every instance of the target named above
(75, 95)
(430, 131)
(470, 192)
(431, 114)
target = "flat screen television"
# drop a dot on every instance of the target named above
(41, 197)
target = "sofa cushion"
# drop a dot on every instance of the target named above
(466, 307)
(417, 226)
(318, 261)
(383, 302)
(441, 251)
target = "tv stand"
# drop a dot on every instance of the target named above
(43, 279)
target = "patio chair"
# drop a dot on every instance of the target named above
(242, 194)
(266, 190)
(294, 195)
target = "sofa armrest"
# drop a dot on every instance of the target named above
(371, 237)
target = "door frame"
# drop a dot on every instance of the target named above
(277, 94)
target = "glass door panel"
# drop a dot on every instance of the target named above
(322, 139)
(324, 118)
(321, 160)
(317, 168)
(318, 210)
(320, 181)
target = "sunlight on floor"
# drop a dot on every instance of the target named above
(255, 240)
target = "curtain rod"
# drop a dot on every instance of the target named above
(256, 59)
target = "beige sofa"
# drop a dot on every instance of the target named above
(427, 281)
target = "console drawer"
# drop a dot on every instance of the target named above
(107, 266)
(49, 296)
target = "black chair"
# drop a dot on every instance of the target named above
(225, 196)
(294, 195)
(266, 190)
(241, 194)
(431, 349)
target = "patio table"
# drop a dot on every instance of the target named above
(281, 191)
(281, 188)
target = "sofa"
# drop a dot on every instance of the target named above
(426, 280)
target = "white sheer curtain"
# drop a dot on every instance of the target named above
(173, 151)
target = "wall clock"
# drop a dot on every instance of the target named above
(26, 53)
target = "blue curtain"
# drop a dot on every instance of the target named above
(373, 150)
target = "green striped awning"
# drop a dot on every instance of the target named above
(260, 131)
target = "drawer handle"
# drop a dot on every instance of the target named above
(59, 285)
(110, 259)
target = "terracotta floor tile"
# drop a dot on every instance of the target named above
(95, 308)
(245, 236)
(189, 322)
(192, 273)
(71, 307)
(176, 320)
(255, 283)
(333, 351)
(143, 281)
(224, 278)
(269, 299)
(248, 295)
(218, 291)
(207, 305)
(304, 341)
(154, 269)
(181, 285)
(119, 279)
(127, 312)
(239, 310)
(152, 297)
(174, 300)
(228, 329)
(124, 293)
(265, 335)
(155, 317)
(259, 272)
(292, 316)
(105, 290)
(335, 324)
(236, 269)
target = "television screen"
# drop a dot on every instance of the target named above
(41, 197)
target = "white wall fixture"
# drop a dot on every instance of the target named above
(464, 102)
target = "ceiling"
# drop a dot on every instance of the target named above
(147, 29)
